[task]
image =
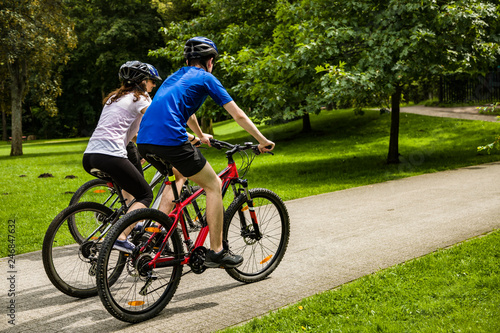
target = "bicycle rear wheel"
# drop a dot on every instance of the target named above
(141, 291)
(95, 190)
(261, 256)
(69, 261)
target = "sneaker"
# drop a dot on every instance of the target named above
(138, 227)
(124, 246)
(223, 259)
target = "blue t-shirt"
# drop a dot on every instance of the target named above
(181, 95)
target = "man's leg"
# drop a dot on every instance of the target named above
(211, 183)
(217, 256)
(167, 198)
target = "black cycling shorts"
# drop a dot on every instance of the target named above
(123, 172)
(186, 158)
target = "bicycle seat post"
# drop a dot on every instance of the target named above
(165, 168)
(171, 180)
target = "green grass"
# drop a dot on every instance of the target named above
(344, 151)
(451, 290)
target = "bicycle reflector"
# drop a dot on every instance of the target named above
(266, 259)
(135, 303)
(152, 229)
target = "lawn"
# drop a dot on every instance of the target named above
(451, 290)
(343, 151)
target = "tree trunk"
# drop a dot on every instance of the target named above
(393, 156)
(206, 125)
(306, 124)
(18, 73)
(4, 121)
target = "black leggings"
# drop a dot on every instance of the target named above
(134, 156)
(123, 172)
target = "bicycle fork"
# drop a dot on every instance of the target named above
(245, 231)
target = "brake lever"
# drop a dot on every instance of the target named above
(257, 151)
(215, 144)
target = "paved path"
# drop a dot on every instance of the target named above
(464, 112)
(335, 238)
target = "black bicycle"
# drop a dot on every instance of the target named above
(74, 238)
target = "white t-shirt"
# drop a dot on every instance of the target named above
(118, 124)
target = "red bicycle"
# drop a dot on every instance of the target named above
(256, 226)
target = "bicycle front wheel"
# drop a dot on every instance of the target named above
(261, 254)
(142, 291)
(70, 261)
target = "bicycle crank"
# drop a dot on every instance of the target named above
(197, 260)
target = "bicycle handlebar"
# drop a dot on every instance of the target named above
(236, 148)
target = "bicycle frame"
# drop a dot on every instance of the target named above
(124, 207)
(157, 177)
(229, 177)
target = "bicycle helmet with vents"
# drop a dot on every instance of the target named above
(134, 72)
(200, 47)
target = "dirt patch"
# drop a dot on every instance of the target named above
(45, 175)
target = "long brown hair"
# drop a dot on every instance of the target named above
(137, 89)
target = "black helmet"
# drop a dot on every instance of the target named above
(134, 72)
(200, 47)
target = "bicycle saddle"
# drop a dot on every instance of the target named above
(159, 163)
(100, 174)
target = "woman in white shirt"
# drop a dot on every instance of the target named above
(117, 126)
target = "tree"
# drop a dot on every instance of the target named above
(277, 76)
(35, 39)
(380, 46)
(233, 25)
(110, 32)
(285, 59)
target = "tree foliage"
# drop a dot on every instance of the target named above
(280, 59)
(35, 38)
(110, 33)
(233, 26)
(286, 59)
(379, 46)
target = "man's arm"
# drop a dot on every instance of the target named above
(195, 127)
(242, 119)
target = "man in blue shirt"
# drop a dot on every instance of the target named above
(163, 133)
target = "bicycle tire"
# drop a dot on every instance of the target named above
(261, 257)
(70, 264)
(95, 190)
(122, 299)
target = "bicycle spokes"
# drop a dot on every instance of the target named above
(258, 233)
